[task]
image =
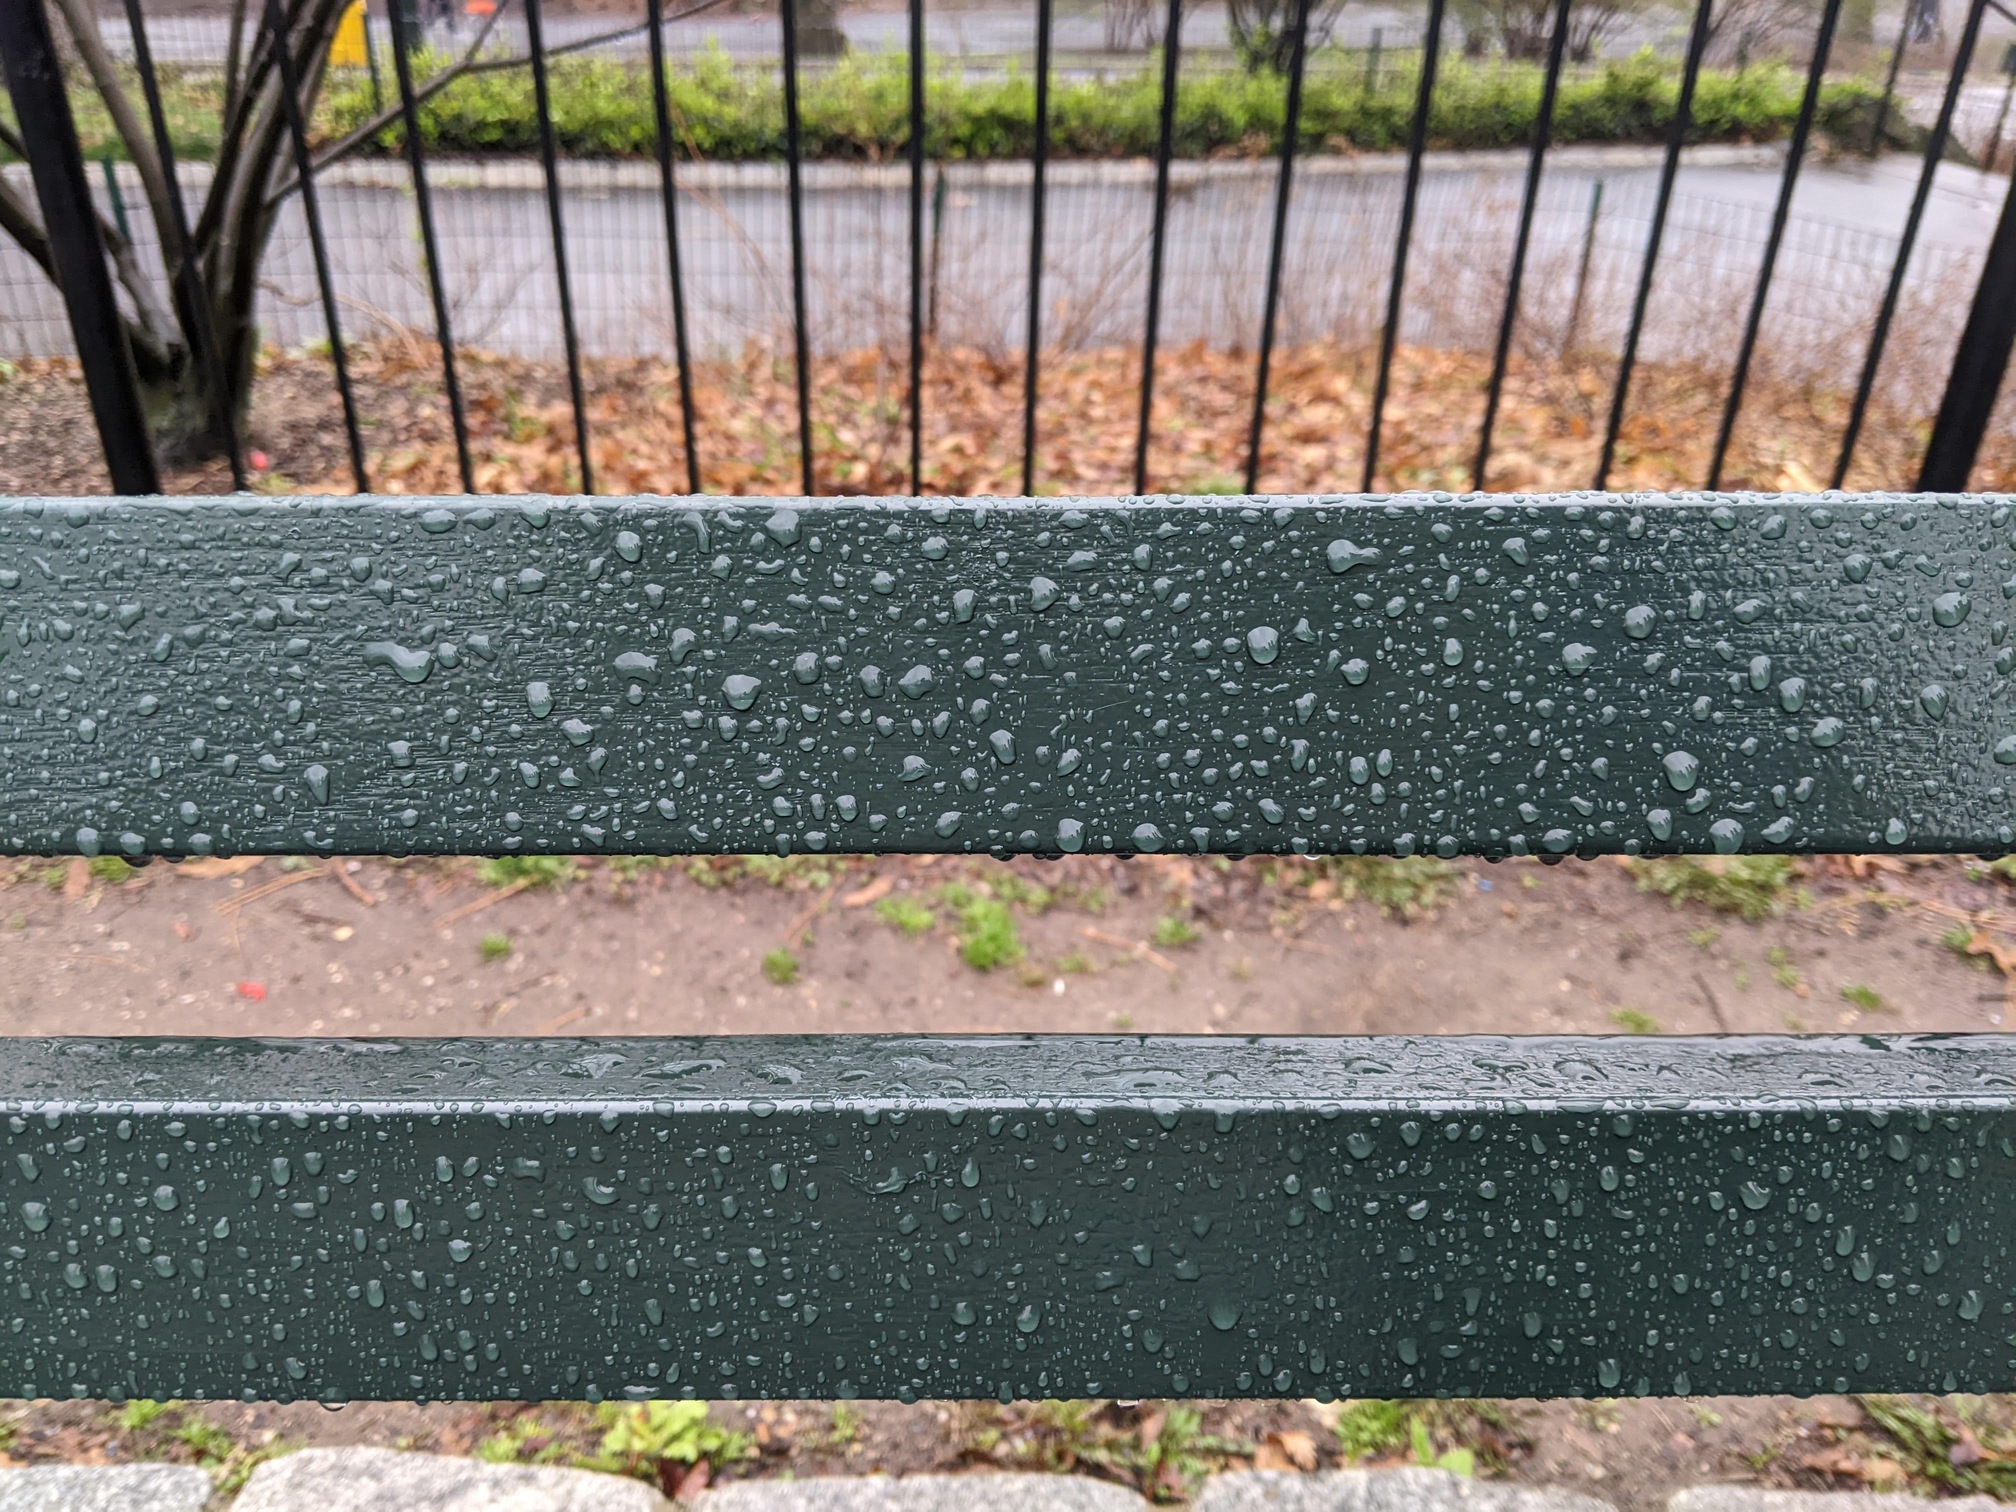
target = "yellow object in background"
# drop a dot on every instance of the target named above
(346, 48)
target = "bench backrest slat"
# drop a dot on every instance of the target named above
(1579, 674)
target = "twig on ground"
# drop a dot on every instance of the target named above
(488, 900)
(237, 901)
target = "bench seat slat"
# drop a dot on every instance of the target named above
(1579, 674)
(824, 1217)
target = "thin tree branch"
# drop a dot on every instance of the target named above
(357, 138)
(238, 128)
(234, 56)
(468, 65)
(83, 25)
(19, 222)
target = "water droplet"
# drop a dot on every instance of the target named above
(1344, 555)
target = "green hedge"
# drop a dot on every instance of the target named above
(859, 109)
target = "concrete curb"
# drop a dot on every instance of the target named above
(924, 1493)
(104, 1488)
(385, 1480)
(1757, 1499)
(1405, 1490)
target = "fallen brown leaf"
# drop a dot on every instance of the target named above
(1982, 943)
(871, 892)
(217, 866)
(1298, 1448)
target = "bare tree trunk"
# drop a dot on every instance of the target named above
(819, 33)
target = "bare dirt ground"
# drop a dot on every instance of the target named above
(1164, 945)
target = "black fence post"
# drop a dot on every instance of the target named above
(70, 220)
(1978, 366)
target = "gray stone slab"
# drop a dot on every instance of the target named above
(385, 1480)
(923, 1493)
(1408, 1490)
(104, 1488)
(1757, 1499)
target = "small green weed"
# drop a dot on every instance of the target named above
(1019, 892)
(626, 869)
(1634, 1021)
(1172, 931)
(1966, 1456)
(648, 1439)
(1863, 998)
(906, 914)
(526, 871)
(792, 873)
(1077, 963)
(781, 966)
(987, 935)
(1164, 1454)
(141, 1412)
(1751, 887)
(1703, 938)
(1960, 940)
(208, 1442)
(1784, 970)
(1409, 886)
(1444, 1435)
(846, 1426)
(494, 947)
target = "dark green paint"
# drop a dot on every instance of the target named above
(1007, 1217)
(1231, 675)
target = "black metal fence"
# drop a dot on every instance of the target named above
(290, 43)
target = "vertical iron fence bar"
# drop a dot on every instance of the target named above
(70, 221)
(1979, 365)
(1417, 143)
(1935, 149)
(318, 245)
(371, 58)
(662, 108)
(430, 248)
(1882, 121)
(917, 246)
(542, 101)
(191, 290)
(1795, 155)
(795, 194)
(1277, 249)
(1172, 49)
(1508, 319)
(1038, 161)
(1669, 170)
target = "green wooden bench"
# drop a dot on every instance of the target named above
(1003, 1216)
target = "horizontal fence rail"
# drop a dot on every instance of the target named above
(1580, 674)
(1006, 1217)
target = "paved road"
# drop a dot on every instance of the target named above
(498, 261)
(986, 30)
